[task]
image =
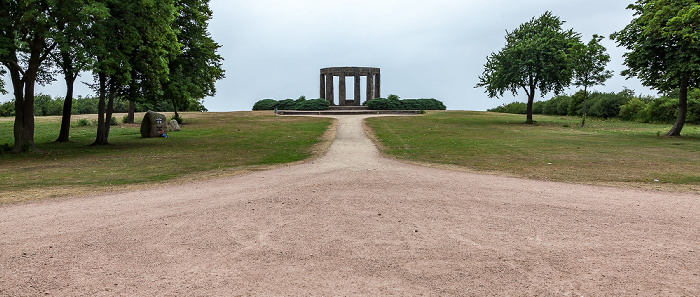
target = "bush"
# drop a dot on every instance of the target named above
(513, 107)
(631, 111)
(607, 105)
(44, 105)
(393, 103)
(113, 121)
(384, 104)
(286, 104)
(693, 115)
(83, 122)
(661, 110)
(291, 104)
(265, 104)
(178, 119)
(576, 104)
(558, 105)
(422, 104)
(7, 109)
(314, 104)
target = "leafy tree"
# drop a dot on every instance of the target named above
(72, 18)
(536, 56)
(589, 63)
(196, 69)
(664, 48)
(25, 44)
(137, 35)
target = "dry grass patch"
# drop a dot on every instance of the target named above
(210, 145)
(604, 152)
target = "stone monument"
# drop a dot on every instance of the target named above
(154, 125)
(327, 89)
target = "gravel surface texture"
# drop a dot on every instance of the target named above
(354, 223)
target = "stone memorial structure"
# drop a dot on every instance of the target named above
(327, 88)
(154, 125)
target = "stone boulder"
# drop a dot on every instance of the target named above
(173, 125)
(154, 125)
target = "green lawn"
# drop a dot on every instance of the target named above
(604, 152)
(210, 144)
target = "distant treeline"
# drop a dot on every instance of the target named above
(624, 105)
(44, 105)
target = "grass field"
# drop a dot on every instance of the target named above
(209, 145)
(604, 152)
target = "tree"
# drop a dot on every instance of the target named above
(196, 69)
(589, 63)
(536, 56)
(72, 18)
(137, 37)
(664, 48)
(25, 44)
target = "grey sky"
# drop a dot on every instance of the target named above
(425, 49)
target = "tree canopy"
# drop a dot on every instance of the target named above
(589, 61)
(664, 48)
(157, 49)
(536, 56)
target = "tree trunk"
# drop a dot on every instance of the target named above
(99, 139)
(177, 116)
(70, 78)
(585, 99)
(24, 102)
(110, 109)
(682, 108)
(530, 103)
(18, 90)
(130, 114)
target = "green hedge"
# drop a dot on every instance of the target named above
(394, 103)
(291, 104)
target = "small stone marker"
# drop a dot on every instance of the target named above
(153, 125)
(173, 125)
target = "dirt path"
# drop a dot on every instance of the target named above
(353, 223)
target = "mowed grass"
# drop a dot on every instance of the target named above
(604, 152)
(209, 145)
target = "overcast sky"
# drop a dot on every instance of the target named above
(425, 49)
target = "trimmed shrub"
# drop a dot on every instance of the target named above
(384, 104)
(265, 104)
(407, 104)
(314, 104)
(291, 104)
(286, 104)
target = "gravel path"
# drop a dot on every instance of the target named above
(354, 223)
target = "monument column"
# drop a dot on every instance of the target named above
(342, 95)
(358, 96)
(370, 87)
(323, 87)
(329, 88)
(377, 86)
